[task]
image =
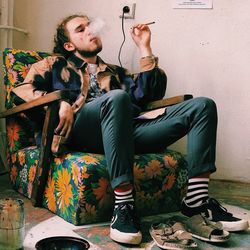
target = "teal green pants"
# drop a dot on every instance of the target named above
(106, 125)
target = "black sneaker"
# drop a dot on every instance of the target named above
(124, 227)
(214, 211)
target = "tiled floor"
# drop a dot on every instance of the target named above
(40, 223)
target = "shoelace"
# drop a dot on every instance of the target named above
(219, 206)
(127, 213)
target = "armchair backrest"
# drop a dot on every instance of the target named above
(16, 64)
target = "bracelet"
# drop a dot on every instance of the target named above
(149, 57)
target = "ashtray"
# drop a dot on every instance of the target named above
(62, 243)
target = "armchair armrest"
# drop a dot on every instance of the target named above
(40, 101)
(167, 102)
(51, 101)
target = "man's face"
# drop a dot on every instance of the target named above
(81, 39)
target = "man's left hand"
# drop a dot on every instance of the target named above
(141, 35)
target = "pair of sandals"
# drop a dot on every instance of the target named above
(175, 235)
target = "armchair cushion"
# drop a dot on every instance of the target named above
(78, 187)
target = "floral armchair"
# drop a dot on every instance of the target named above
(76, 186)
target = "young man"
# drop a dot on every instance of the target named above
(101, 116)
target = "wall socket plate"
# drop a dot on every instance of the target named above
(131, 13)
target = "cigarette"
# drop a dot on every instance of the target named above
(149, 23)
(145, 24)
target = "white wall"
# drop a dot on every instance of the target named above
(204, 52)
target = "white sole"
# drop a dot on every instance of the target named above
(236, 226)
(125, 238)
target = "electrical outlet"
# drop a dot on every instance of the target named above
(131, 13)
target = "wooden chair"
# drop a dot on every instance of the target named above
(76, 185)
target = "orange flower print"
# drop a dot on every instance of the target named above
(23, 71)
(9, 60)
(13, 174)
(13, 133)
(90, 210)
(12, 76)
(8, 91)
(88, 213)
(33, 53)
(153, 168)
(103, 192)
(15, 51)
(21, 157)
(32, 173)
(49, 194)
(57, 161)
(138, 172)
(85, 175)
(64, 188)
(169, 182)
(170, 161)
(81, 189)
(75, 173)
(89, 159)
(13, 158)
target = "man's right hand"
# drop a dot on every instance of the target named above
(66, 119)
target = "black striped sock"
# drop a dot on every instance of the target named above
(197, 191)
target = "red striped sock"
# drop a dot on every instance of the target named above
(123, 194)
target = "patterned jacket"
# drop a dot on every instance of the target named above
(56, 73)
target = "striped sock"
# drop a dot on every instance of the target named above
(123, 194)
(197, 191)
